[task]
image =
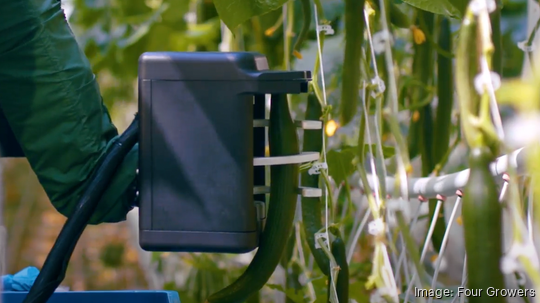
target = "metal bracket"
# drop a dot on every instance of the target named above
(307, 192)
(303, 124)
(304, 157)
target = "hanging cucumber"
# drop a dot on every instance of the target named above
(342, 282)
(354, 35)
(421, 138)
(445, 94)
(283, 141)
(306, 10)
(311, 207)
(481, 215)
(422, 71)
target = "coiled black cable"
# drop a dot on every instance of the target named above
(54, 269)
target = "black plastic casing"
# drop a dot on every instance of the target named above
(197, 144)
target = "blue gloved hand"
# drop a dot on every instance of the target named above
(21, 281)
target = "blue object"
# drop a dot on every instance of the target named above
(128, 296)
(21, 281)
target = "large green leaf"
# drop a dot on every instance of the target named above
(236, 12)
(340, 164)
(449, 8)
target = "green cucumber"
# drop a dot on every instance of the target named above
(306, 9)
(311, 207)
(342, 279)
(445, 93)
(354, 36)
(283, 141)
(482, 217)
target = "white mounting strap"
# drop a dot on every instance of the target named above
(303, 124)
(307, 192)
(316, 168)
(304, 157)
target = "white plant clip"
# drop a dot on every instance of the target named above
(509, 265)
(377, 227)
(320, 236)
(316, 168)
(523, 45)
(379, 41)
(379, 83)
(326, 28)
(482, 80)
(478, 6)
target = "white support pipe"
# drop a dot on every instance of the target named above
(430, 187)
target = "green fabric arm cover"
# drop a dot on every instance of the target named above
(52, 102)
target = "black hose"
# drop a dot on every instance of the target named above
(54, 269)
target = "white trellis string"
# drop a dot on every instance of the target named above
(323, 84)
(393, 100)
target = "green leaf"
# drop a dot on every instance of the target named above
(236, 12)
(144, 28)
(295, 296)
(388, 151)
(340, 164)
(461, 5)
(203, 33)
(442, 7)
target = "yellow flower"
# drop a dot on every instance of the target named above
(370, 11)
(416, 116)
(270, 31)
(418, 35)
(331, 128)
